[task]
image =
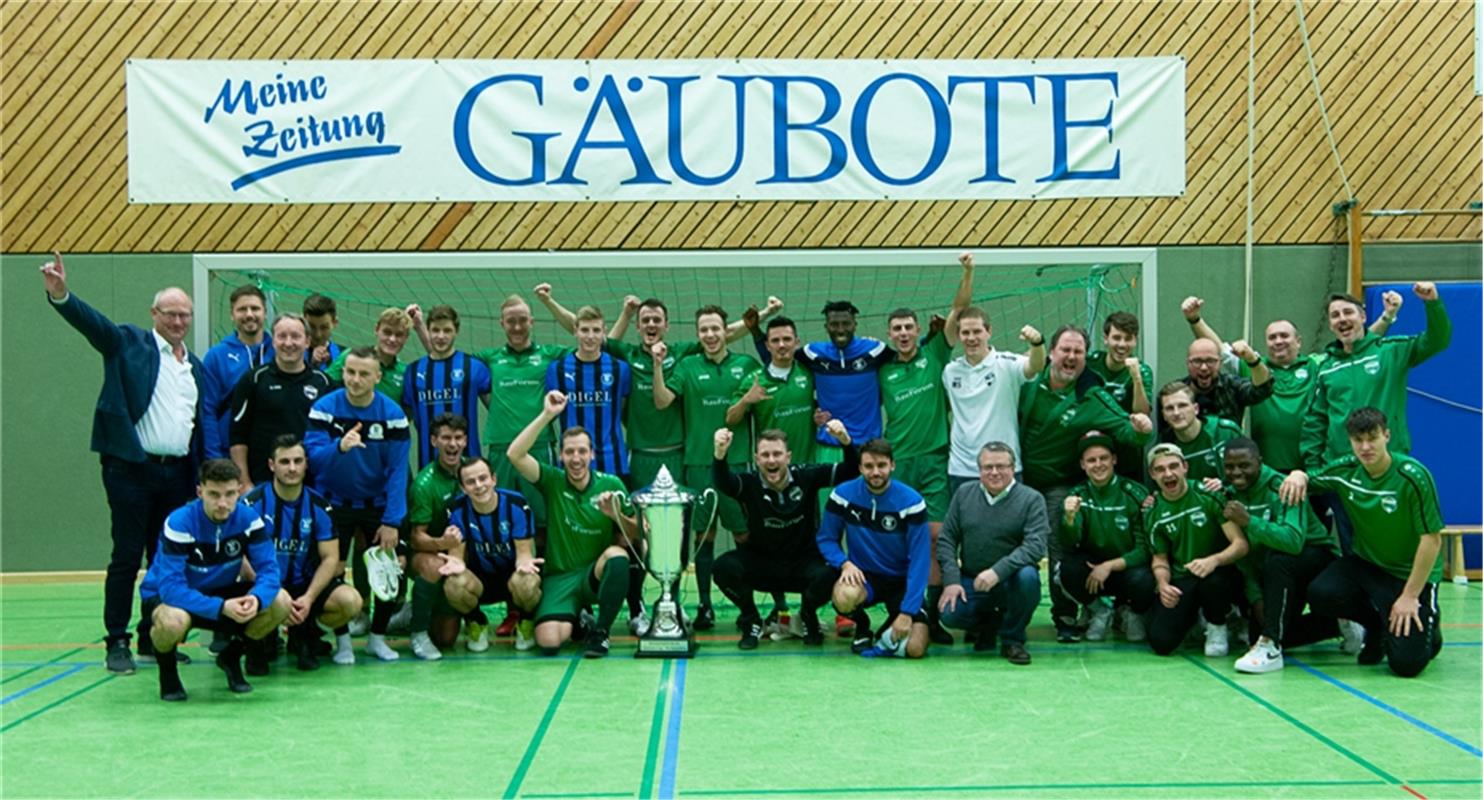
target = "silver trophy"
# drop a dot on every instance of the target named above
(662, 509)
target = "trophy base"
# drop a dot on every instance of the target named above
(669, 635)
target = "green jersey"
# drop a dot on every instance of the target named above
(789, 407)
(1187, 528)
(914, 400)
(1206, 452)
(1277, 422)
(431, 490)
(1373, 375)
(706, 388)
(518, 381)
(1119, 384)
(391, 377)
(1390, 513)
(1274, 525)
(1109, 523)
(576, 531)
(1052, 421)
(650, 428)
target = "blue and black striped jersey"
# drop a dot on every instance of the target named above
(450, 385)
(296, 528)
(489, 539)
(595, 394)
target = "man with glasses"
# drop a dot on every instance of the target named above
(146, 429)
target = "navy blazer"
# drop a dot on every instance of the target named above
(131, 365)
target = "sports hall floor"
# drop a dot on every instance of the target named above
(1087, 720)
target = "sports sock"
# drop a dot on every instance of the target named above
(635, 589)
(381, 616)
(424, 594)
(610, 591)
(476, 616)
(934, 593)
(705, 557)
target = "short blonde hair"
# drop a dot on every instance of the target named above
(394, 318)
(589, 313)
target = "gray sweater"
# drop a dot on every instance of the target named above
(1006, 536)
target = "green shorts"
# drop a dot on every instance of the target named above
(506, 477)
(564, 595)
(727, 509)
(643, 466)
(927, 473)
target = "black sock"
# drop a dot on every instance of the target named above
(934, 593)
(610, 591)
(705, 557)
(169, 670)
(424, 595)
(635, 589)
(477, 616)
(381, 616)
(862, 623)
(745, 604)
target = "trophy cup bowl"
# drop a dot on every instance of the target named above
(662, 508)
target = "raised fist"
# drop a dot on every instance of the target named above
(659, 350)
(1426, 290)
(555, 403)
(1191, 308)
(1073, 505)
(1031, 335)
(543, 291)
(966, 259)
(1141, 423)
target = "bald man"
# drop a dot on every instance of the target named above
(1220, 393)
(146, 429)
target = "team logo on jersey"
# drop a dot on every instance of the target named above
(988, 379)
(736, 372)
(1121, 521)
(1372, 367)
(306, 525)
(311, 392)
(458, 374)
(607, 379)
(233, 548)
(1199, 518)
(957, 383)
(795, 494)
(889, 522)
(504, 527)
(1301, 373)
(535, 360)
(859, 363)
(1388, 503)
(571, 376)
(376, 431)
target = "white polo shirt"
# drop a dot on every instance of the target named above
(985, 398)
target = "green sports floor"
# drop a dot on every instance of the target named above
(1087, 721)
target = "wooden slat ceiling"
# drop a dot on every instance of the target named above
(1397, 77)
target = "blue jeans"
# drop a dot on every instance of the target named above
(1008, 606)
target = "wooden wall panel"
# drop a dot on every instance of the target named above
(1397, 77)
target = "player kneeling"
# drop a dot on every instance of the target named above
(195, 579)
(486, 555)
(298, 521)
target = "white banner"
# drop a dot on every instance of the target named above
(385, 131)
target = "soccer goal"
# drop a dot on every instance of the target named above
(1045, 287)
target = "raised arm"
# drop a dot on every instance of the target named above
(961, 299)
(1438, 333)
(100, 332)
(739, 329)
(1192, 307)
(519, 450)
(1393, 302)
(625, 315)
(664, 397)
(1260, 375)
(1036, 353)
(566, 319)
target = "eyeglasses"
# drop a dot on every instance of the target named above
(180, 315)
(1204, 362)
(996, 468)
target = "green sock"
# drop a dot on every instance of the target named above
(424, 595)
(611, 591)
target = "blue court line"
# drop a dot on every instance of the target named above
(1380, 704)
(672, 738)
(70, 671)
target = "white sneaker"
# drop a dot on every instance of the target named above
(1264, 656)
(1353, 636)
(525, 635)
(360, 624)
(376, 645)
(476, 637)
(1098, 624)
(638, 624)
(401, 621)
(423, 647)
(1217, 640)
(793, 630)
(1133, 626)
(344, 651)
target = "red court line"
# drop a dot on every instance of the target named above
(1413, 791)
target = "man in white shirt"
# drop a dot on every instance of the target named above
(983, 389)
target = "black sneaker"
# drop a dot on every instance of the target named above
(705, 618)
(813, 633)
(861, 643)
(1374, 650)
(230, 662)
(938, 634)
(1015, 653)
(1066, 634)
(119, 660)
(985, 641)
(171, 690)
(596, 644)
(751, 636)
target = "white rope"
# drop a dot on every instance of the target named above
(1444, 401)
(1323, 113)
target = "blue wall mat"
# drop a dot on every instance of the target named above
(1445, 409)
